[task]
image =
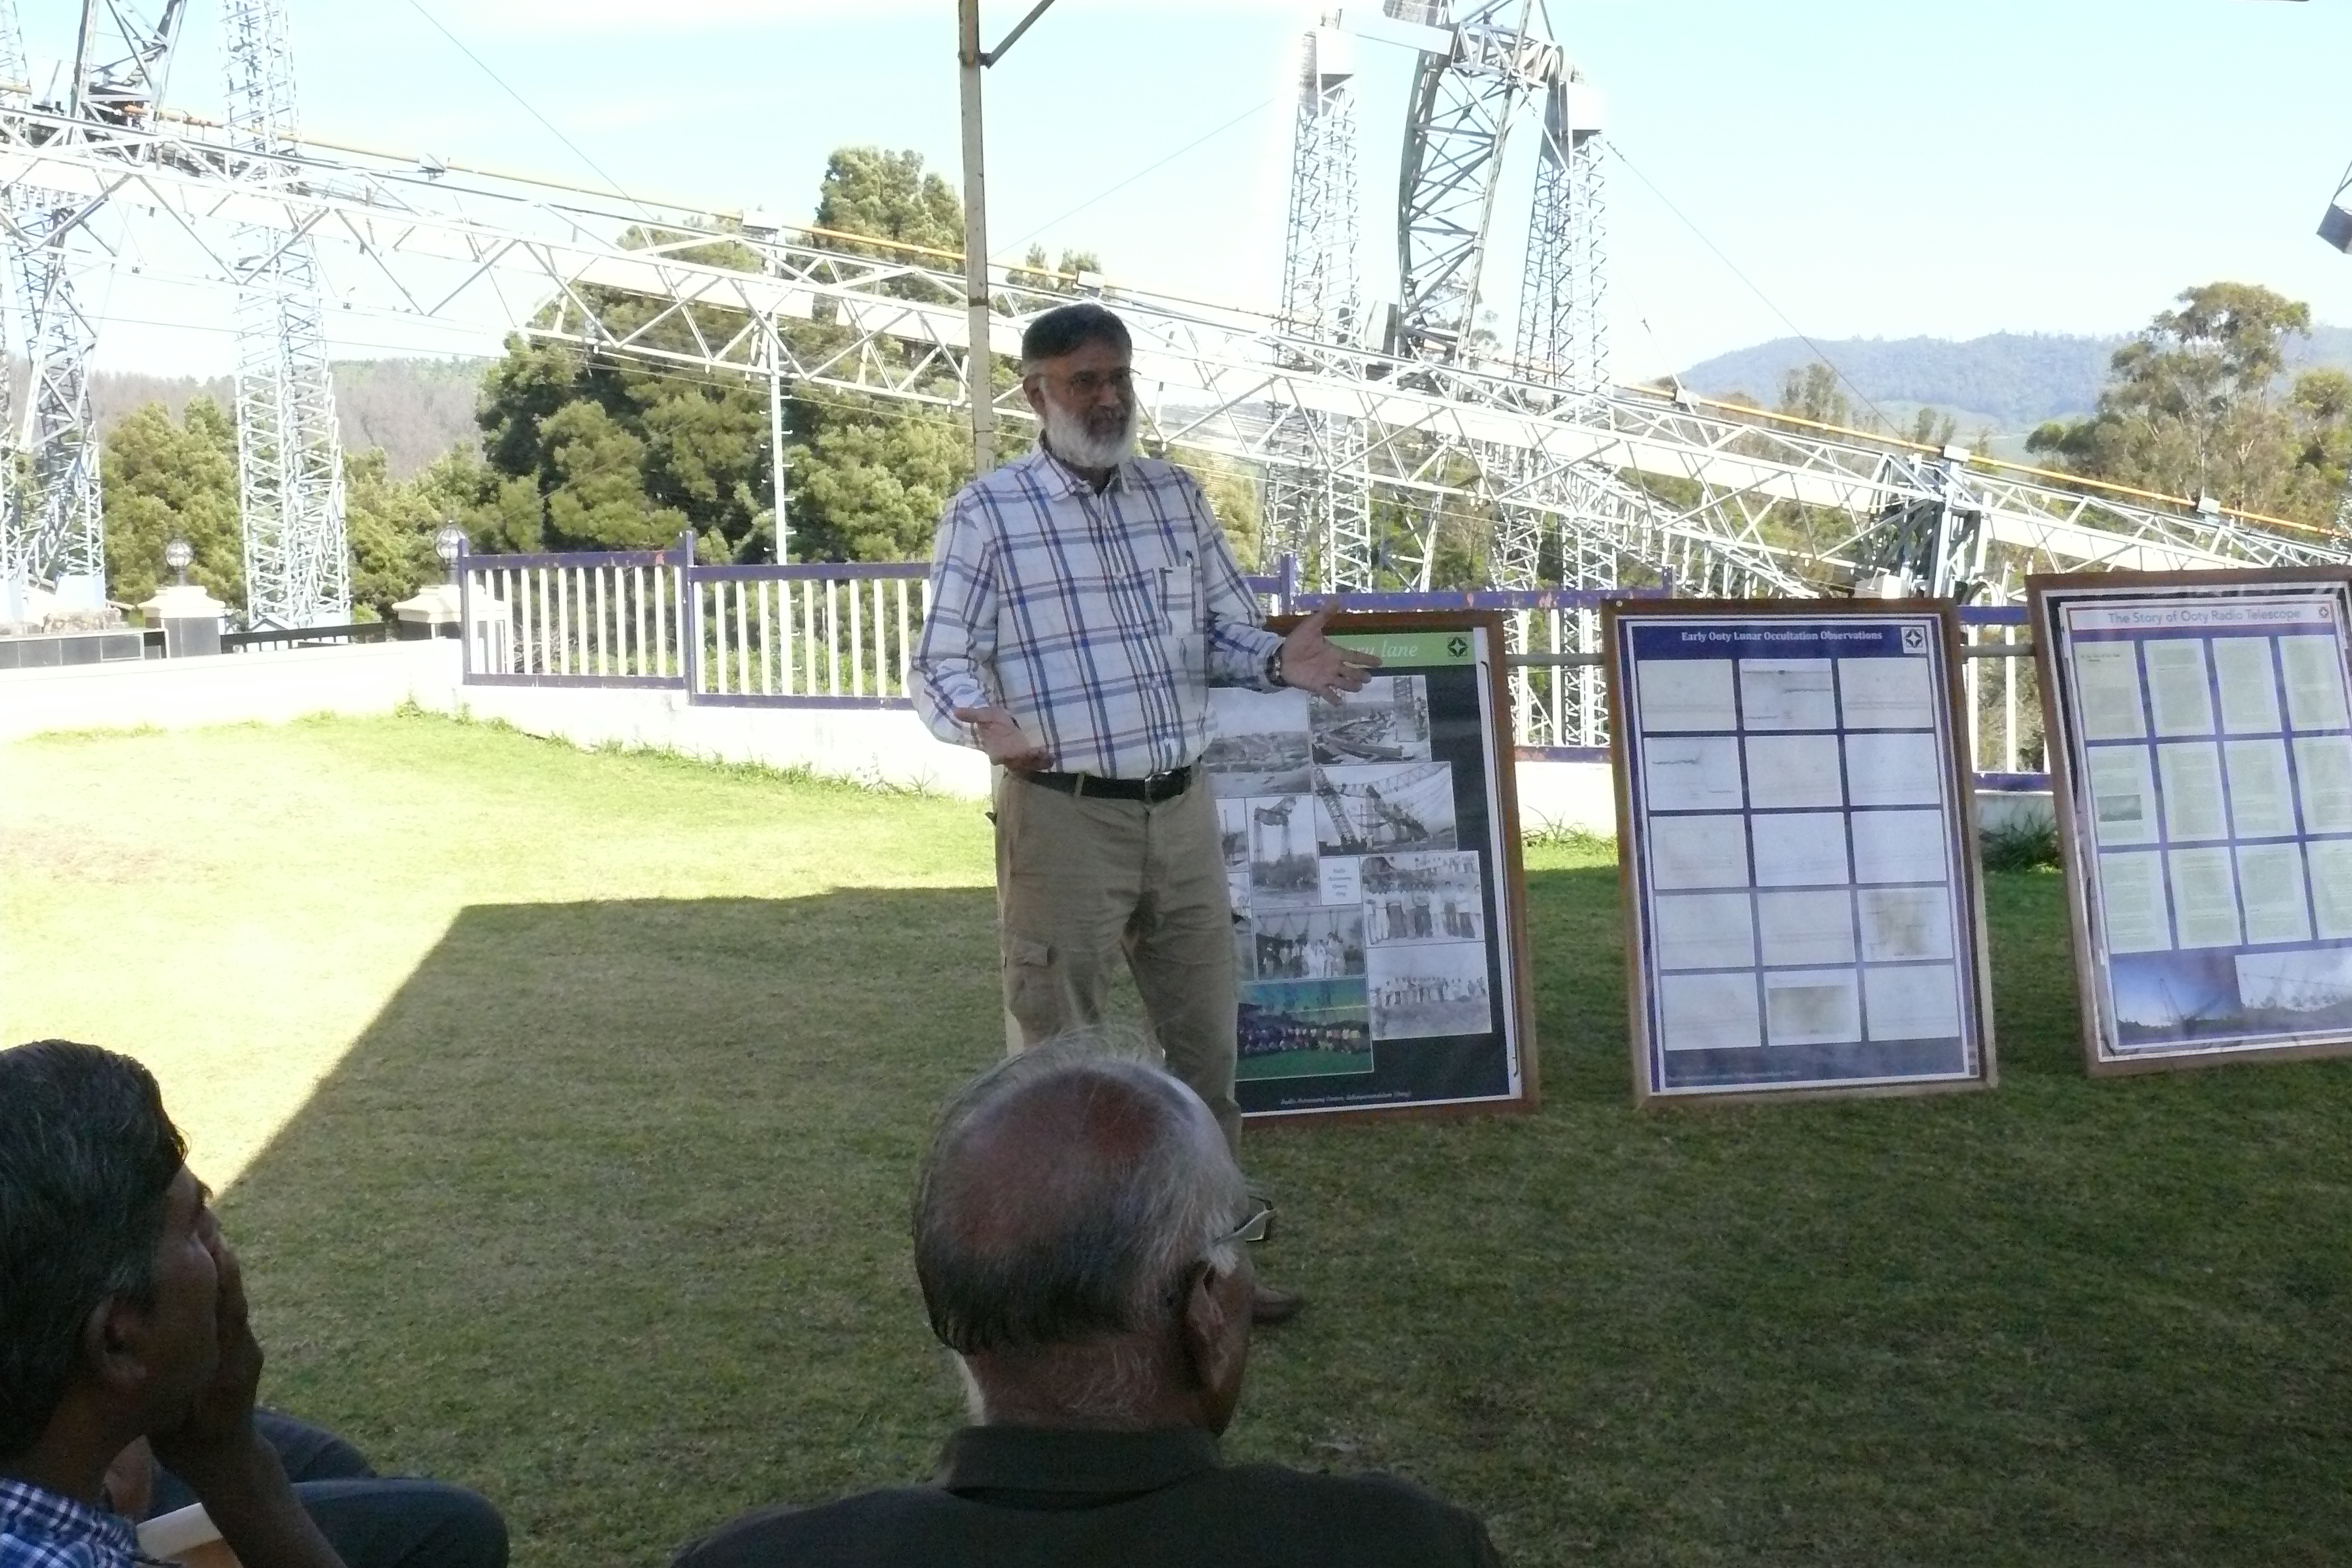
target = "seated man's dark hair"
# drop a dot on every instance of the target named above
(1022, 1245)
(87, 1155)
(1065, 328)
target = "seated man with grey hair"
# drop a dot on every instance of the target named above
(1079, 1233)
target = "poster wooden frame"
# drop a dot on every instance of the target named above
(2044, 592)
(1500, 756)
(1966, 862)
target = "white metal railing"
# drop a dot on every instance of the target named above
(805, 635)
(574, 620)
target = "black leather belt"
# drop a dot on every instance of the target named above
(1156, 787)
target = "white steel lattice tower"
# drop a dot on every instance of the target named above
(60, 534)
(15, 92)
(1317, 500)
(289, 454)
(1563, 345)
(52, 528)
(1563, 332)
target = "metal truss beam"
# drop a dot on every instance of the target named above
(1711, 482)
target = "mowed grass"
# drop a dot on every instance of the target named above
(570, 1103)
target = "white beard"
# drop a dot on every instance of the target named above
(1068, 435)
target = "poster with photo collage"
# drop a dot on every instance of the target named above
(2200, 753)
(1798, 848)
(1371, 850)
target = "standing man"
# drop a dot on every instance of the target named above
(1083, 602)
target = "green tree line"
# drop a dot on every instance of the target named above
(581, 450)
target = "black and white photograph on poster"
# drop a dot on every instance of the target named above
(1233, 834)
(1282, 871)
(1422, 898)
(1303, 1028)
(1386, 721)
(1365, 806)
(1324, 943)
(1420, 989)
(1262, 745)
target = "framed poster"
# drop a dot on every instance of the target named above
(2201, 754)
(1372, 847)
(1797, 839)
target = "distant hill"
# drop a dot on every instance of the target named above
(2012, 380)
(415, 409)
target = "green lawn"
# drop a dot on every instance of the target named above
(570, 1103)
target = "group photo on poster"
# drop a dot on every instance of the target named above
(1362, 853)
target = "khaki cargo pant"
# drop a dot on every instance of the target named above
(1082, 883)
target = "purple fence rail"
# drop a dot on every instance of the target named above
(842, 634)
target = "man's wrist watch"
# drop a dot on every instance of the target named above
(1274, 671)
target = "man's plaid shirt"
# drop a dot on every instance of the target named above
(41, 1530)
(1099, 621)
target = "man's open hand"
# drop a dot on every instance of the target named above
(999, 734)
(1313, 662)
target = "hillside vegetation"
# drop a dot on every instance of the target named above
(2012, 381)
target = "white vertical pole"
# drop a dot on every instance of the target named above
(832, 637)
(2008, 702)
(975, 242)
(776, 440)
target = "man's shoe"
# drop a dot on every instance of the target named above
(1269, 1307)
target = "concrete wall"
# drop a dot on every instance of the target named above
(866, 745)
(873, 746)
(226, 688)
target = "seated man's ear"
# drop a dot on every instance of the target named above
(1214, 1323)
(114, 1346)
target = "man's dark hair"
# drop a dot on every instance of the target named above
(87, 1155)
(1065, 328)
(1067, 1191)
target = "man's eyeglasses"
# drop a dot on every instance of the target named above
(1255, 1229)
(1089, 384)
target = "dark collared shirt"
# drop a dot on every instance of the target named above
(1010, 1497)
(41, 1530)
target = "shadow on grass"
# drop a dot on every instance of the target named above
(605, 1215)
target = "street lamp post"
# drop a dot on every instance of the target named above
(449, 543)
(979, 360)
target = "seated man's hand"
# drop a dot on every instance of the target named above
(130, 1482)
(216, 1437)
(999, 734)
(215, 1448)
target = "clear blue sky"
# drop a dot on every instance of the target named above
(1947, 167)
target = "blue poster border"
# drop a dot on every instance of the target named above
(2049, 599)
(1751, 628)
